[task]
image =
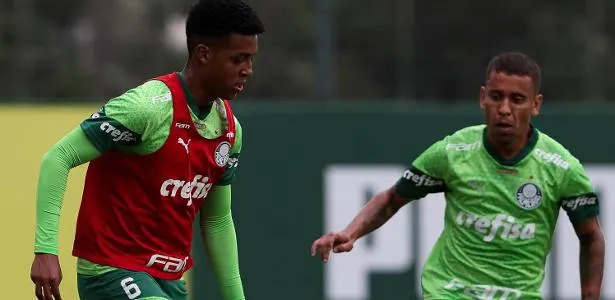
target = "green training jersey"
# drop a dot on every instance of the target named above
(138, 122)
(500, 214)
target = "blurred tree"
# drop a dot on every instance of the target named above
(391, 49)
(285, 66)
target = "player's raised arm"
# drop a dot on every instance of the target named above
(582, 205)
(425, 175)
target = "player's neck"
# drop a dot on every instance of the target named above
(202, 97)
(509, 150)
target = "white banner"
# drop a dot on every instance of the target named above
(390, 251)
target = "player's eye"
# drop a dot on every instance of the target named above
(517, 98)
(238, 59)
(496, 96)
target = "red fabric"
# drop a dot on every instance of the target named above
(137, 212)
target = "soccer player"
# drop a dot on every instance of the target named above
(504, 184)
(159, 154)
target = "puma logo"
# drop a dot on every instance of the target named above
(183, 143)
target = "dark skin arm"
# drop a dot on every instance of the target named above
(376, 212)
(591, 257)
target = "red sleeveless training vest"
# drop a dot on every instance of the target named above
(137, 212)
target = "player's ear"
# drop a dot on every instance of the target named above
(483, 95)
(203, 53)
(537, 105)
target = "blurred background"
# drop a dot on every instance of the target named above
(319, 50)
(345, 93)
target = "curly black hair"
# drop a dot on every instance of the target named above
(516, 63)
(219, 18)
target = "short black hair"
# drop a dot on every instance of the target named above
(219, 18)
(516, 63)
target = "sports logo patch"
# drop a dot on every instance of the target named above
(222, 154)
(529, 196)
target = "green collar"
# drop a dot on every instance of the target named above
(201, 114)
(531, 143)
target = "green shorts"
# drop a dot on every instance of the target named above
(127, 285)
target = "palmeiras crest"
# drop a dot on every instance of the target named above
(529, 196)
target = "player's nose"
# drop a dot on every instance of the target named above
(504, 108)
(247, 70)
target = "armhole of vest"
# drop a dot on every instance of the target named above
(230, 117)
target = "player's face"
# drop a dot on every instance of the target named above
(229, 64)
(509, 103)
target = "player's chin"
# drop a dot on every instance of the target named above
(504, 130)
(232, 93)
(229, 96)
(505, 137)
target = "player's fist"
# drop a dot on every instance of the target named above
(334, 241)
(46, 275)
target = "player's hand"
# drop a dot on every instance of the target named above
(336, 241)
(46, 275)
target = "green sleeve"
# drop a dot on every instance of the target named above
(426, 174)
(578, 198)
(218, 232)
(72, 150)
(233, 163)
(127, 119)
